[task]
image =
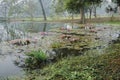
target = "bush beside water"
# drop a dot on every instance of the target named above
(36, 59)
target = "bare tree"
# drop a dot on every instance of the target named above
(43, 10)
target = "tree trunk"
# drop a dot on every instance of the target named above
(31, 16)
(95, 13)
(72, 19)
(6, 13)
(82, 15)
(43, 10)
(112, 16)
(72, 16)
(45, 25)
(119, 10)
(90, 13)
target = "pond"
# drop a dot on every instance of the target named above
(10, 31)
(35, 31)
(17, 30)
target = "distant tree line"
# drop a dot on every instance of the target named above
(37, 8)
(22, 8)
(80, 6)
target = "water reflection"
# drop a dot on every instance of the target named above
(10, 31)
(45, 25)
(7, 68)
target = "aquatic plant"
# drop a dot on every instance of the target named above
(36, 59)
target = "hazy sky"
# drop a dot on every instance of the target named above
(109, 0)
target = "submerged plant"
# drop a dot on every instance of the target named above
(36, 59)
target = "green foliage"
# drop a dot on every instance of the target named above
(76, 6)
(56, 45)
(36, 59)
(58, 5)
(113, 23)
(39, 55)
(101, 67)
(73, 6)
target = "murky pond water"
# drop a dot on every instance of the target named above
(35, 31)
(7, 67)
(10, 31)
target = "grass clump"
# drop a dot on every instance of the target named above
(36, 59)
(56, 45)
(114, 22)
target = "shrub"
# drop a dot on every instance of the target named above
(36, 59)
